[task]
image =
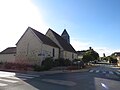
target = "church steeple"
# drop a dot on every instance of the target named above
(65, 36)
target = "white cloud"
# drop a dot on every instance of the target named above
(15, 17)
(105, 50)
(78, 45)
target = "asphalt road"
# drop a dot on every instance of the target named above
(103, 77)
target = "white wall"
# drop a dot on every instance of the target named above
(69, 55)
(28, 47)
(52, 37)
(48, 51)
(118, 58)
(63, 54)
(7, 58)
(31, 50)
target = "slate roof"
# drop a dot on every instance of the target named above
(81, 52)
(9, 50)
(66, 46)
(44, 38)
(116, 54)
(65, 32)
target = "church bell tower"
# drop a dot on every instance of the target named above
(65, 36)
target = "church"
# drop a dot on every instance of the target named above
(33, 47)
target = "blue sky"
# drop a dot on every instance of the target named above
(94, 23)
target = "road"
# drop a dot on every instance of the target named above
(102, 77)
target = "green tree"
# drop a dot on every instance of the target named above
(113, 60)
(87, 57)
(90, 55)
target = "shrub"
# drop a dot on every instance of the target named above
(79, 63)
(62, 62)
(113, 60)
(38, 68)
(75, 60)
(67, 62)
(7, 65)
(72, 68)
(47, 63)
(1, 63)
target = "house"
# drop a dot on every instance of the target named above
(33, 47)
(80, 54)
(117, 55)
(65, 36)
(66, 49)
(8, 55)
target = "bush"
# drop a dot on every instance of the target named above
(8, 65)
(113, 60)
(47, 63)
(16, 66)
(1, 63)
(87, 58)
(75, 60)
(62, 62)
(72, 68)
(79, 63)
(38, 68)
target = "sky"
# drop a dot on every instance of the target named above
(90, 23)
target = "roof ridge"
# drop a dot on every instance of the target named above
(44, 38)
(9, 50)
(35, 30)
(63, 42)
(58, 35)
(64, 32)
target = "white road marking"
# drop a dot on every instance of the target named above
(30, 75)
(3, 84)
(11, 81)
(110, 72)
(104, 72)
(60, 82)
(5, 74)
(118, 73)
(24, 77)
(91, 71)
(16, 78)
(13, 78)
(97, 71)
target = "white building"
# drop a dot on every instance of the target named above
(117, 55)
(33, 47)
(66, 49)
(8, 55)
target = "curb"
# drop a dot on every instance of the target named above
(48, 72)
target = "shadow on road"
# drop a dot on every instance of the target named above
(83, 80)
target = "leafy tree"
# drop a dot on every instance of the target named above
(90, 55)
(94, 54)
(113, 60)
(87, 57)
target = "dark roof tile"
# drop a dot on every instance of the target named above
(44, 38)
(9, 50)
(66, 46)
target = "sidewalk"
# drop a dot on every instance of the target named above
(60, 71)
(56, 71)
(49, 72)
